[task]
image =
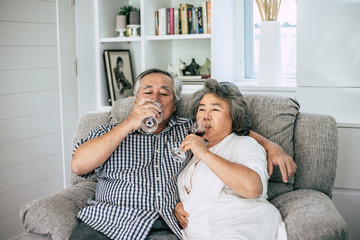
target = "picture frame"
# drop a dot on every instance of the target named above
(118, 74)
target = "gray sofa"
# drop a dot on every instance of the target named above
(304, 202)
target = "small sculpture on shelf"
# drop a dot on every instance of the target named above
(177, 70)
(191, 69)
(204, 70)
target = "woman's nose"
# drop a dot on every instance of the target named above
(206, 115)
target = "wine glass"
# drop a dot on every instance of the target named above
(197, 128)
(150, 124)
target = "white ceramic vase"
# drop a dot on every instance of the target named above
(270, 53)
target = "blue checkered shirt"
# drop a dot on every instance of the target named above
(137, 184)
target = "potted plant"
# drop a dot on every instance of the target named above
(127, 11)
(128, 21)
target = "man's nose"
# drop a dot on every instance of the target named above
(154, 97)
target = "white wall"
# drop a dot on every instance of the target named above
(328, 79)
(30, 123)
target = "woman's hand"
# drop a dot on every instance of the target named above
(181, 215)
(196, 144)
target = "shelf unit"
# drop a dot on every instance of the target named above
(148, 50)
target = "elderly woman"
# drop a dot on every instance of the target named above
(223, 187)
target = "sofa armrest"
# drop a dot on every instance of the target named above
(310, 214)
(316, 151)
(56, 215)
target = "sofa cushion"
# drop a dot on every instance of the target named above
(121, 109)
(56, 215)
(310, 214)
(85, 125)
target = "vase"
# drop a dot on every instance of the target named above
(270, 53)
(134, 18)
(120, 22)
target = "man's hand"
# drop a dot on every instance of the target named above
(181, 215)
(143, 108)
(278, 157)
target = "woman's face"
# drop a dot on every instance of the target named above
(216, 112)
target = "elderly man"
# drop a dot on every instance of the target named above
(136, 191)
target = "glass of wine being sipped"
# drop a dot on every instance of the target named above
(150, 124)
(197, 128)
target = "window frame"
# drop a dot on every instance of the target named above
(249, 46)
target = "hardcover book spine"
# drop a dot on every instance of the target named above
(184, 17)
(156, 22)
(171, 20)
(176, 21)
(190, 21)
(208, 13)
(167, 21)
(194, 19)
(200, 20)
(162, 21)
(204, 17)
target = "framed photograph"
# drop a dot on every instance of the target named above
(118, 72)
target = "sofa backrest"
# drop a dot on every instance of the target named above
(271, 116)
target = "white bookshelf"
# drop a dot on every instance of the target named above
(98, 33)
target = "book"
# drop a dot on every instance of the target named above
(199, 27)
(190, 21)
(204, 15)
(171, 21)
(167, 21)
(184, 17)
(156, 22)
(162, 21)
(176, 21)
(208, 13)
(195, 28)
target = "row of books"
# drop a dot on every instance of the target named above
(186, 19)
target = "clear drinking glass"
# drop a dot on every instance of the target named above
(150, 124)
(197, 128)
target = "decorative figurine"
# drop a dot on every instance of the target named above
(204, 69)
(191, 69)
(177, 70)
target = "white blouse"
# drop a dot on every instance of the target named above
(217, 212)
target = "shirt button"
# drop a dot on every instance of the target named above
(159, 194)
(157, 166)
(157, 150)
(158, 179)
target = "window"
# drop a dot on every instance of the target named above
(287, 19)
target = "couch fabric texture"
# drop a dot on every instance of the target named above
(304, 202)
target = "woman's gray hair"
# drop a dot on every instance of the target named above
(177, 84)
(230, 93)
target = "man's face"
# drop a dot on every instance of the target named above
(158, 87)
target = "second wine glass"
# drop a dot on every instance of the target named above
(197, 128)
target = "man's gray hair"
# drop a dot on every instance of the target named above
(230, 93)
(177, 84)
